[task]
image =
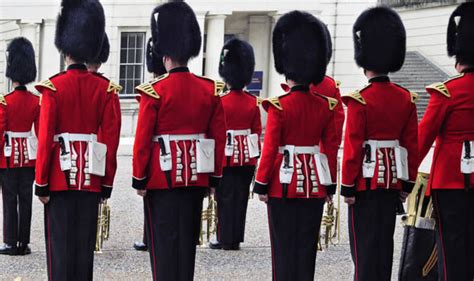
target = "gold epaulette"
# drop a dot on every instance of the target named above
(218, 85)
(3, 100)
(47, 84)
(114, 87)
(441, 88)
(356, 96)
(332, 103)
(159, 78)
(275, 101)
(338, 84)
(147, 88)
(414, 97)
(259, 101)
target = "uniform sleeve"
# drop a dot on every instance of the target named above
(339, 116)
(36, 120)
(271, 144)
(353, 147)
(329, 146)
(409, 140)
(147, 113)
(3, 125)
(109, 134)
(216, 131)
(431, 123)
(47, 129)
(257, 125)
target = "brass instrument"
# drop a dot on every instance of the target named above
(330, 230)
(103, 226)
(208, 221)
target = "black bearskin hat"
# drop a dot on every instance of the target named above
(300, 47)
(80, 29)
(154, 63)
(461, 34)
(237, 63)
(379, 40)
(329, 41)
(104, 52)
(175, 31)
(21, 66)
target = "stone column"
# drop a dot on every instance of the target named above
(214, 43)
(49, 63)
(260, 29)
(274, 79)
(195, 65)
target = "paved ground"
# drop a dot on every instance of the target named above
(120, 262)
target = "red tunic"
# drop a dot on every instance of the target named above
(242, 112)
(177, 103)
(78, 102)
(330, 88)
(18, 113)
(291, 121)
(380, 111)
(448, 120)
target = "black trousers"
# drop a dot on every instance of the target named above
(294, 228)
(232, 199)
(17, 199)
(455, 228)
(371, 229)
(71, 229)
(174, 220)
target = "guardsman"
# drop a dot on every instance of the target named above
(78, 139)
(154, 65)
(244, 127)
(380, 156)
(19, 111)
(297, 169)
(179, 144)
(448, 120)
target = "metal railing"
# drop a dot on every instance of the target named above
(411, 3)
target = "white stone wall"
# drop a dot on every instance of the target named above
(426, 32)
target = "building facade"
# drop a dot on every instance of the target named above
(128, 30)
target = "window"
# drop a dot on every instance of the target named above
(132, 57)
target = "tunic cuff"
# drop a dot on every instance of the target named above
(348, 191)
(41, 190)
(105, 192)
(260, 188)
(139, 184)
(407, 186)
(331, 189)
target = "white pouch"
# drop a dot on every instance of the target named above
(32, 147)
(7, 149)
(65, 160)
(166, 162)
(401, 161)
(229, 145)
(97, 158)
(322, 167)
(467, 164)
(205, 156)
(287, 169)
(253, 143)
(368, 166)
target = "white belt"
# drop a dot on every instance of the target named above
(240, 132)
(383, 143)
(180, 137)
(19, 135)
(78, 137)
(301, 149)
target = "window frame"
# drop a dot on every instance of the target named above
(144, 75)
